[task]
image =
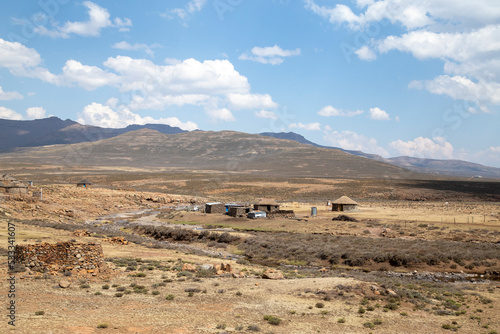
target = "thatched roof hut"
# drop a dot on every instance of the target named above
(344, 203)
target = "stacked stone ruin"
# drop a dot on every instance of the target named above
(82, 258)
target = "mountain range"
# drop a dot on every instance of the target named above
(233, 146)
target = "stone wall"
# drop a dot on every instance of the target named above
(61, 257)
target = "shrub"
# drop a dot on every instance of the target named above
(369, 325)
(253, 328)
(169, 297)
(97, 293)
(105, 286)
(120, 288)
(320, 305)
(377, 321)
(84, 286)
(341, 320)
(118, 294)
(404, 314)
(272, 320)
(391, 306)
(361, 310)
(103, 325)
(39, 312)
(155, 292)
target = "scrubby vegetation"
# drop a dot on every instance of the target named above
(358, 251)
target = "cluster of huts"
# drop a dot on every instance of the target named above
(270, 208)
(263, 208)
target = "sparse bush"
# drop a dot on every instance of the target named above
(320, 305)
(103, 325)
(169, 297)
(118, 294)
(341, 320)
(253, 328)
(105, 287)
(272, 320)
(39, 312)
(369, 325)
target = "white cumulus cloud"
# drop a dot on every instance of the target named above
(211, 84)
(379, 114)
(273, 55)
(421, 147)
(465, 35)
(36, 112)
(365, 53)
(23, 61)
(7, 113)
(104, 116)
(88, 77)
(99, 18)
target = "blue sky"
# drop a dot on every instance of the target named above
(392, 77)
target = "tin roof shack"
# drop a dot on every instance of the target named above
(215, 207)
(256, 214)
(228, 206)
(84, 183)
(10, 185)
(344, 203)
(267, 205)
(239, 211)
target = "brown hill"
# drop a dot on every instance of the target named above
(204, 150)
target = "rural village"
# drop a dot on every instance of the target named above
(172, 253)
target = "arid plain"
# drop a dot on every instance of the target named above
(422, 256)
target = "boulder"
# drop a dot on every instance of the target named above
(207, 267)
(273, 274)
(188, 267)
(392, 293)
(64, 283)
